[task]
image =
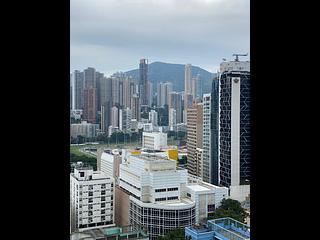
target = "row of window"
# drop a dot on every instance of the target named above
(166, 189)
(164, 198)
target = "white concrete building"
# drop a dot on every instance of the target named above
(206, 196)
(84, 129)
(163, 197)
(114, 117)
(91, 199)
(109, 162)
(125, 116)
(172, 119)
(154, 140)
(153, 118)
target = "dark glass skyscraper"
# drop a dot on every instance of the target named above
(143, 82)
(214, 171)
(235, 142)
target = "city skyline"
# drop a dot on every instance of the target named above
(196, 31)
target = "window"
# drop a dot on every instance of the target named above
(103, 198)
(161, 190)
(81, 174)
(103, 211)
(103, 205)
(160, 199)
(103, 192)
(173, 189)
(173, 198)
(189, 195)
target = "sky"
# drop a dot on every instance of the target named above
(113, 35)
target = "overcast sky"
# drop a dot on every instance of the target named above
(112, 35)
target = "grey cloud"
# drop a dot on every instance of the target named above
(117, 33)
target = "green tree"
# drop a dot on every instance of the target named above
(230, 208)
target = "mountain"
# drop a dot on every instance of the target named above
(161, 72)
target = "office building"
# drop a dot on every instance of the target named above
(163, 93)
(91, 199)
(207, 163)
(154, 140)
(217, 229)
(188, 79)
(153, 118)
(194, 138)
(84, 129)
(235, 139)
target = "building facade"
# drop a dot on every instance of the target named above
(91, 199)
(194, 138)
(214, 125)
(207, 164)
(154, 140)
(163, 93)
(235, 139)
(84, 129)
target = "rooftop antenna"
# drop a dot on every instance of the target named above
(237, 56)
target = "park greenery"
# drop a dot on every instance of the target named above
(176, 234)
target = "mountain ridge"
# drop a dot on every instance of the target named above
(174, 72)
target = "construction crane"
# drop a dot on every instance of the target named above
(237, 56)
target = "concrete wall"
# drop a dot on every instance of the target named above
(121, 207)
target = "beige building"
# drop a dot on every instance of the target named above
(194, 138)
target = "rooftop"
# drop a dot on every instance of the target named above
(198, 188)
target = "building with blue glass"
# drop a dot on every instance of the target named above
(219, 229)
(234, 123)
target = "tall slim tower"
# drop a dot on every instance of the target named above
(143, 82)
(235, 141)
(187, 88)
(207, 164)
(78, 84)
(214, 127)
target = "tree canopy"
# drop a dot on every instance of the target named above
(230, 208)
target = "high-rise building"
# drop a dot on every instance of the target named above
(163, 93)
(194, 138)
(72, 103)
(175, 102)
(90, 78)
(153, 118)
(91, 200)
(78, 89)
(90, 105)
(172, 119)
(187, 89)
(206, 132)
(99, 79)
(136, 107)
(188, 79)
(143, 82)
(214, 125)
(235, 140)
(105, 101)
(115, 86)
(188, 101)
(114, 117)
(128, 91)
(194, 87)
(125, 116)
